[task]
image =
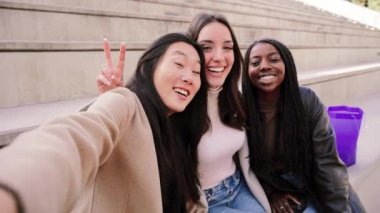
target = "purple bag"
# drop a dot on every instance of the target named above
(346, 122)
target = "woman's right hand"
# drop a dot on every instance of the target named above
(111, 77)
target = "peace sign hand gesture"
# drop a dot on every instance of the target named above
(111, 77)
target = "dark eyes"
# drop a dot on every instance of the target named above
(197, 72)
(178, 64)
(257, 63)
(254, 63)
(205, 48)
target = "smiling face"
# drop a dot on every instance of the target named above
(216, 41)
(266, 70)
(177, 76)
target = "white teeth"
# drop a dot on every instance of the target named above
(216, 69)
(267, 77)
(181, 91)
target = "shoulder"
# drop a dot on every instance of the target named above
(306, 92)
(308, 97)
(117, 103)
(116, 98)
(119, 94)
(312, 104)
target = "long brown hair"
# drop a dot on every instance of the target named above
(230, 102)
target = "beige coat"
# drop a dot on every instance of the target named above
(100, 160)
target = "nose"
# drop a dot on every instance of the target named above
(217, 54)
(264, 65)
(187, 77)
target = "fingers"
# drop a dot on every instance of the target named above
(120, 64)
(280, 203)
(110, 77)
(107, 52)
(103, 80)
(292, 198)
(287, 208)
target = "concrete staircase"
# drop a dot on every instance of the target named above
(51, 50)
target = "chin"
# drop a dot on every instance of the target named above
(177, 109)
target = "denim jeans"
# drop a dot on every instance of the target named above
(310, 207)
(232, 195)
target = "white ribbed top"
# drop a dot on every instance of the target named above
(217, 147)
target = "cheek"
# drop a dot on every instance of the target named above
(251, 72)
(159, 82)
(208, 57)
(197, 85)
(231, 58)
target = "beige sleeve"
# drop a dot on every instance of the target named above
(50, 166)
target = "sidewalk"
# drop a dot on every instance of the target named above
(364, 175)
(16, 119)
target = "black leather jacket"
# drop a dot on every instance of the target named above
(330, 184)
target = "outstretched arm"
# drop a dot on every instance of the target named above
(50, 167)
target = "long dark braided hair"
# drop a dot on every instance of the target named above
(293, 125)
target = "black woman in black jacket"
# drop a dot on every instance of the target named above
(292, 144)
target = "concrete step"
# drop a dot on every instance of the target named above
(290, 11)
(334, 86)
(340, 85)
(16, 120)
(257, 10)
(49, 75)
(39, 72)
(66, 23)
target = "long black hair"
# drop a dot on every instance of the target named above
(230, 102)
(293, 123)
(174, 166)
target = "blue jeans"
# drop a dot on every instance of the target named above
(310, 207)
(232, 195)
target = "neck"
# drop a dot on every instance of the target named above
(215, 89)
(268, 97)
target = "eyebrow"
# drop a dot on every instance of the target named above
(210, 41)
(179, 52)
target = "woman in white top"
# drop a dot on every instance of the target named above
(221, 150)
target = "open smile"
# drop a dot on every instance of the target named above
(216, 69)
(182, 91)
